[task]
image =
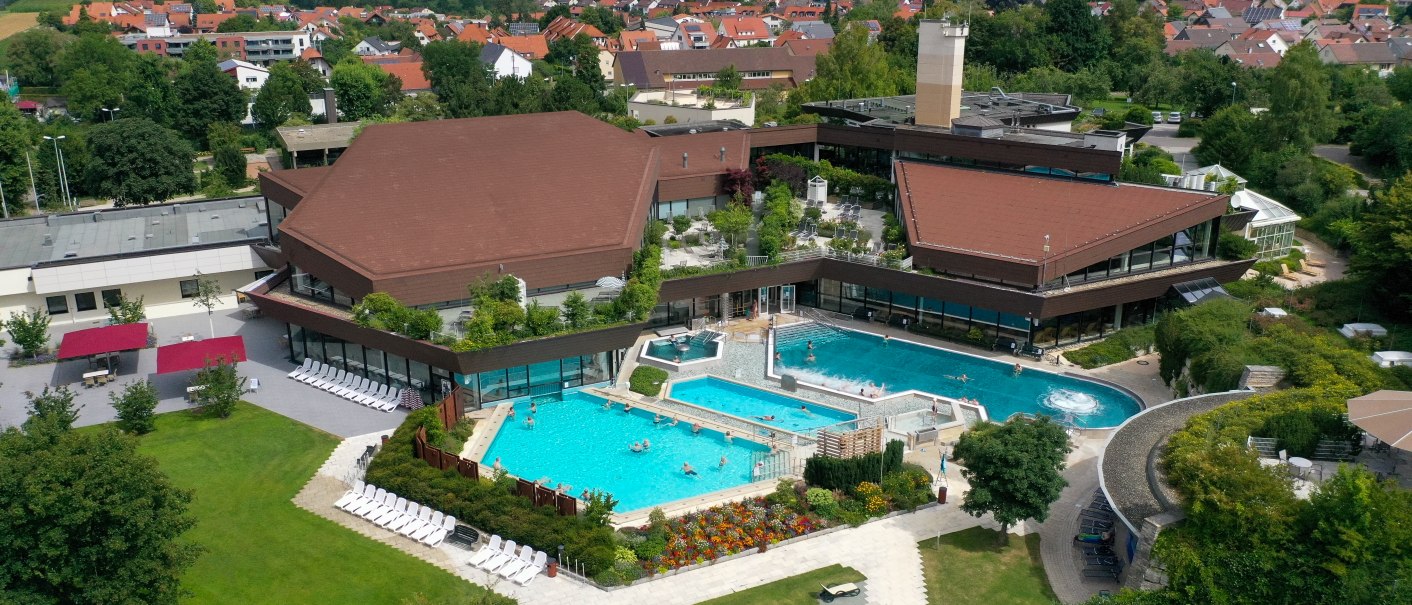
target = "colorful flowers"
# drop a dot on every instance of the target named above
(726, 530)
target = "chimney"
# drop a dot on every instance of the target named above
(330, 107)
(683, 159)
(941, 51)
(723, 154)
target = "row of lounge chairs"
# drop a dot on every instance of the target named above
(849, 212)
(393, 513)
(1098, 557)
(347, 385)
(498, 557)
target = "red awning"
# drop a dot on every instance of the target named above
(193, 355)
(123, 337)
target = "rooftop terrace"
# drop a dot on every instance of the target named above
(1014, 109)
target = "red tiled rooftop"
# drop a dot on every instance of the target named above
(1006, 215)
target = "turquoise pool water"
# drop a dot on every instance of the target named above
(578, 443)
(749, 402)
(666, 349)
(846, 360)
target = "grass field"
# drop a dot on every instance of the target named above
(802, 589)
(14, 23)
(969, 569)
(260, 547)
(37, 6)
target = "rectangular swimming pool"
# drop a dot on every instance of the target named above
(847, 360)
(763, 406)
(578, 443)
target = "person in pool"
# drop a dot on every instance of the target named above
(724, 461)
(636, 447)
(1019, 368)
(529, 422)
(496, 465)
(778, 358)
(810, 358)
(696, 428)
(767, 418)
(729, 437)
(607, 405)
(963, 378)
(656, 419)
(804, 408)
(673, 422)
(810, 345)
(686, 468)
(627, 407)
(646, 444)
(534, 407)
(511, 413)
(887, 338)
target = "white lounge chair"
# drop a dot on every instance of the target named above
(486, 551)
(423, 517)
(375, 398)
(532, 570)
(299, 371)
(349, 386)
(369, 493)
(390, 403)
(364, 394)
(348, 496)
(359, 387)
(431, 526)
(315, 373)
(506, 553)
(398, 508)
(332, 383)
(323, 380)
(408, 516)
(448, 525)
(388, 502)
(370, 505)
(512, 567)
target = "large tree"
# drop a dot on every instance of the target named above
(149, 92)
(205, 95)
(17, 136)
(1300, 113)
(33, 55)
(136, 161)
(1381, 244)
(1206, 81)
(852, 68)
(85, 518)
(363, 90)
(1015, 469)
(1227, 138)
(223, 139)
(1077, 37)
(282, 95)
(458, 77)
(578, 57)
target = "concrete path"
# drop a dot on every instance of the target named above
(268, 362)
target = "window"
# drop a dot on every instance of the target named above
(58, 305)
(111, 297)
(261, 274)
(755, 74)
(85, 301)
(188, 288)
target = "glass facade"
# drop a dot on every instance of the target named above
(309, 286)
(538, 378)
(1196, 243)
(929, 313)
(694, 207)
(1272, 241)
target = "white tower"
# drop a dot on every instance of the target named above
(941, 52)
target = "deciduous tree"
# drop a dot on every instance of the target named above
(17, 136)
(1382, 247)
(205, 95)
(851, 68)
(1227, 138)
(29, 330)
(51, 411)
(282, 95)
(33, 55)
(223, 139)
(135, 161)
(219, 387)
(1078, 37)
(1015, 469)
(135, 405)
(361, 89)
(208, 297)
(1300, 113)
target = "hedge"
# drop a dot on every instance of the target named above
(647, 380)
(847, 473)
(487, 505)
(1117, 347)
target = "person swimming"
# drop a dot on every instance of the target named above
(511, 413)
(656, 419)
(673, 422)
(778, 357)
(686, 468)
(646, 444)
(534, 407)
(805, 409)
(529, 422)
(810, 358)
(887, 338)
(636, 447)
(607, 405)
(1019, 368)
(729, 437)
(724, 461)
(810, 345)
(627, 407)
(696, 428)
(963, 378)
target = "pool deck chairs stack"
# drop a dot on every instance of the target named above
(1098, 558)
(393, 513)
(499, 557)
(348, 385)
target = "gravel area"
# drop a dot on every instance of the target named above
(1124, 463)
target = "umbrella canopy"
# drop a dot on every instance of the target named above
(411, 399)
(610, 282)
(1386, 415)
(193, 355)
(122, 337)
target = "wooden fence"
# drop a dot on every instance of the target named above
(438, 458)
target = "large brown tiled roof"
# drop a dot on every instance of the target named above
(703, 153)
(1005, 216)
(646, 69)
(441, 196)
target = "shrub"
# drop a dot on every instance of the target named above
(1232, 246)
(846, 473)
(647, 380)
(134, 406)
(681, 223)
(908, 488)
(654, 231)
(871, 495)
(1117, 347)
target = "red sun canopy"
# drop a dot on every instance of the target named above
(123, 337)
(193, 355)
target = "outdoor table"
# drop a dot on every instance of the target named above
(1303, 464)
(188, 337)
(91, 378)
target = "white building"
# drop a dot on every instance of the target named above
(1272, 228)
(248, 75)
(685, 107)
(74, 265)
(505, 62)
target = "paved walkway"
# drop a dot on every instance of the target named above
(267, 361)
(1063, 563)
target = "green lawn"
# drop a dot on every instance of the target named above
(260, 547)
(37, 6)
(970, 569)
(802, 589)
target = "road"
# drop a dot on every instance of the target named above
(1164, 136)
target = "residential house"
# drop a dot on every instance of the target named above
(819, 30)
(807, 48)
(663, 27)
(745, 31)
(248, 75)
(505, 62)
(533, 48)
(1370, 11)
(317, 60)
(630, 40)
(373, 46)
(564, 27)
(260, 48)
(758, 67)
(693, 35)
(1370, 55)
(1401, 50)
(409, 72)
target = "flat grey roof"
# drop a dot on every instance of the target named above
(40, 239)
(318, 136)
(1026, 106)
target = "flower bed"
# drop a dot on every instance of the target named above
(726, 530)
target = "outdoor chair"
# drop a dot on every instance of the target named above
(365, 394)
(423, 517)
(322, 381)
(486, 551)
(367, 495)
(352, 387)
(506, 553)
(511, 567)
(345, 386)
(377, 396)
(360, 390)
(406, 517)
(431, 526)
(352, 494)
(398, 508)
(529, 572)
(369, 503)
(333, 384)
(299, 371)
(313, 372)
(390, 403)
(436, 536)
(379, 509)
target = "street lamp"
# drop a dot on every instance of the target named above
(59, 160)
(1233, 92)
(112, 113)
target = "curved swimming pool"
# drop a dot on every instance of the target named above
(846, 360)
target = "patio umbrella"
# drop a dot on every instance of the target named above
(610, 282)
(411, 399)
(1386, 415)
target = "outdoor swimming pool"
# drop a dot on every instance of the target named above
(692, 348)
(578, 443)
(749, 402)
(846, 360)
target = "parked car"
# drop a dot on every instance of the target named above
(1156, 117)
(1174, 117)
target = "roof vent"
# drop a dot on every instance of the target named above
(195, 239)
(131, 237)
(176, 209)
(692, 131)
(149, 236)
(723, 154)
(215, 216)
(241, 204)
(683, 157)
(263, 223)
(97, 216)
(157, 221)
(164, 213)
(48, 239)
(71, 254)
